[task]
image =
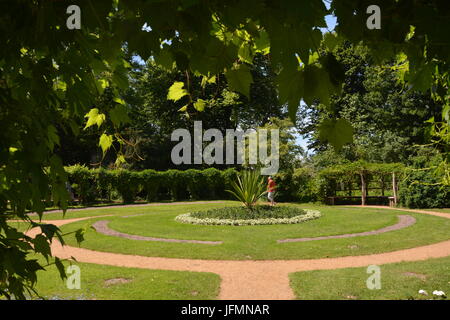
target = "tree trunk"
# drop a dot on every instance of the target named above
(363, 189)
(394, 187)
(382, 186)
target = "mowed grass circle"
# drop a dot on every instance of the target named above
(258, 242)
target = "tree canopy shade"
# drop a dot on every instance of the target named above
(51, 76)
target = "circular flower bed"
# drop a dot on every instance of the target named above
(241, 216)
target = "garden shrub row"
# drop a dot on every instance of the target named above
(421, 187)
(93, 185)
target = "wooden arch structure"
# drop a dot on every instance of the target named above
(367, 176)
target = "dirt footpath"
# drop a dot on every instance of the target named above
(251, 280)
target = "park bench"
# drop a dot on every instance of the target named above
(382, 200)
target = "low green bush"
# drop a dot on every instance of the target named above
(242, 216)
(228, 176)
(128, 184)
(420, 188)
(258, 212)
(104, 181)
(300, 185)
(196, 184)
(214, 182)
(152, 181)
(285, 189)
(306, 185)
(83, 183)
(177, 184)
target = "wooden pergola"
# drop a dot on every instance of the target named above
(343, 177)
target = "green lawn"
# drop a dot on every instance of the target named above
(118, 209)
(398, 281)
(259, 242)
(115, 283)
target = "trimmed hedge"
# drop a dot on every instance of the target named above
(93, 185)
(83, 183)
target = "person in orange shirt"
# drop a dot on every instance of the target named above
(271, 186)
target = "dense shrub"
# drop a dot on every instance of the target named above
(177, 183)
(228, 176)
(306, 185)
(196, 184)
(83, 183)
(90, 185)
(128, 184)
(323, 188)
(213, 182)
(284, 189)
(301, 185)
(258, 212)
(104, 181)
(419, 189)
(152, 181)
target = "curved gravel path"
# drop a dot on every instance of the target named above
(251, 280)
(403, 222)
(102, 227)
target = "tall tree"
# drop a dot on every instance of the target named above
(388, 120)
(154, 117)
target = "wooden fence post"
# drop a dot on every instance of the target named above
(363, 189)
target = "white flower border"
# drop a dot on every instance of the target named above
(309, 215)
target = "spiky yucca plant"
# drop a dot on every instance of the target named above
(248, 188)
